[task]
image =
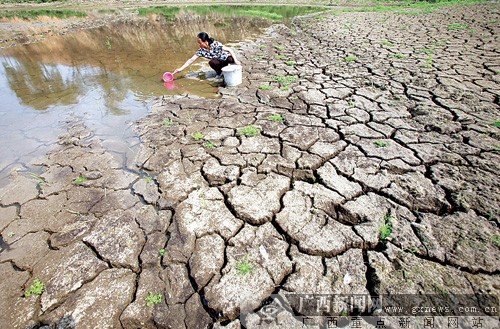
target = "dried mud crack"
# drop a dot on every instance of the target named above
(344, 125)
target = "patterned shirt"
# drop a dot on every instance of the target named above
(215, 51)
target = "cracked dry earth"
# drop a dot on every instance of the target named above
(403, 133)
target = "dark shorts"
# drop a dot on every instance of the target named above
(217, 64)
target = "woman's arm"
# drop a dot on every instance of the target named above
(231, 51)
(188, 62)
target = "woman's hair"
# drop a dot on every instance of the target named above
(205, 37)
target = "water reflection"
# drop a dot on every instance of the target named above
(108, 76)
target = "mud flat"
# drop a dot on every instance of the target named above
(360, 156)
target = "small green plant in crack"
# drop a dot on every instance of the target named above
(168, 122)
(281, 57)
(80, 180)
(108, 43)
(276, 118)
(497, 123)
(428, 61)
(244, 266)
(386, 229)
(280, 47)
(40, 180)
(11, 234)
(152, 299)
(198, 136)
(161, 252)
(249, 131)
(148, 179)
(285, 81)
(350, 59)
(290, 63)
(400, 56)
(427, 51)
(457, 26)
(380, 144)
(36, 288)
(387, 43)
(265, 87)
(209, 145)
(496, 240)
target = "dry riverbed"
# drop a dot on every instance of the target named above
(373, 170)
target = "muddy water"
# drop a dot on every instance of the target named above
(108, 77)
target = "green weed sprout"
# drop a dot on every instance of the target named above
(249, 131)
(153, 299)
(36, 288)
(198, 136)
(80, 180)
(244, 266)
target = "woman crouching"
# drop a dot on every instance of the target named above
(218, 54)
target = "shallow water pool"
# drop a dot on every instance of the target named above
(107, 77)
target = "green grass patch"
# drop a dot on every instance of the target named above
(198, 136)
(249, 131)
(34, 13)
(457, 26)
(244, 267)
(290, 63)
(36, 288)
(265, 87)
(153, 299)
(106, 11)
(168, 122)
(387, 43)
(400, 56)
(386, 229)
(29, 1)
(409, 7)
(80, 180)
(281, 57)
(381, 144)
(429, 61)
(350, 58)
(427, 51)
(169, 12)
(209, 145)
(148, 179)
(497, 123)
(285, 81)
(276, 118)
(273, 13)
(280, 47)
(496, 240)
(161, 252)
